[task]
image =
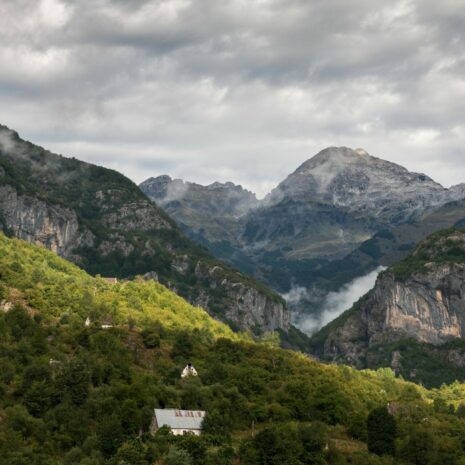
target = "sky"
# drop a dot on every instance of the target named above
(236, 90)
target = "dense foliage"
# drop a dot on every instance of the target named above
(77, 394)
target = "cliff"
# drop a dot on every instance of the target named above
(419, 299)
(101, 221)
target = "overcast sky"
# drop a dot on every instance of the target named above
(240, 90)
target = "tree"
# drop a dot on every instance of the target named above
(313, 439)
(131, 453)
(420, 449)
(74, 380)
(460, 411)
(381, 430)
(183, 345)
(110, 435)
(178, 456)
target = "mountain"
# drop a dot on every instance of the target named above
(210, 214)
(101, 221)
(303, 234)
(339, 198)
(414, 315)
(79, 393)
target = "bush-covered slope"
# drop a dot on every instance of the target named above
(101, 220)
(73, 394)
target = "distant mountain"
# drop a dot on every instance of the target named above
(412, 319)
(101, 220)
(321, 213)
(211, 210)
(340, 198)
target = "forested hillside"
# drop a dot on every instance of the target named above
(73, 394)
(100, 220)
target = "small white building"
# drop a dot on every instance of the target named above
(189, 370)
(180, 421)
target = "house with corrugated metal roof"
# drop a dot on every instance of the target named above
(180, 421)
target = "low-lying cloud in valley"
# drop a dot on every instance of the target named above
(336, 302)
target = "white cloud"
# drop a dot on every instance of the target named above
(54, 13)
(338, 302)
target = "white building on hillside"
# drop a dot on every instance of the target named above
(180, 421)
(188, 371)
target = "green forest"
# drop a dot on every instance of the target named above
(77, 394)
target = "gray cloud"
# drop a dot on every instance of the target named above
(236, 90)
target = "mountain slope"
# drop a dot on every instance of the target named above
(77, 394)
(100, 220)
(419, 299)
(212, 210)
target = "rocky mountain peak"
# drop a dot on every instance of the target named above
(336, 158)
(359, 182)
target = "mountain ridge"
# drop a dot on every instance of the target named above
(101, 220)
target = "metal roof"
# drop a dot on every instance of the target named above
(179, 419)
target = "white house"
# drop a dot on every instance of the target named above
(180, 421)
(189, 370)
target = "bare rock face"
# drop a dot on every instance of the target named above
(247, 307)
(427, 305)
(36, 221)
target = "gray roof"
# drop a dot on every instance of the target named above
(179, 419)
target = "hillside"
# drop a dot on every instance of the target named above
(101, 221)
(414, 318)
(73, 394)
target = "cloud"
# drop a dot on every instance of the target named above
(337, 302)
(237, 90)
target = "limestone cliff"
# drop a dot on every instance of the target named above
(421, 298)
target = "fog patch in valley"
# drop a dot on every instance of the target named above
(335, 303)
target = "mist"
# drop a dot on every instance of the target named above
(338, 302)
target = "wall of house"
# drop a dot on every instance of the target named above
(180, 432)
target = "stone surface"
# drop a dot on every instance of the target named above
(427, 306)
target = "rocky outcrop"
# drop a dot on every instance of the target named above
(39, 222)
(248, 307)
(427, 305)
